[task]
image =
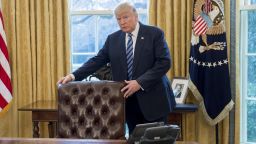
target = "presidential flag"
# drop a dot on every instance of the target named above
(208, 62)
(5, 73)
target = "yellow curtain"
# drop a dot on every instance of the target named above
(237, 99)
(175, 18)
(38, 44)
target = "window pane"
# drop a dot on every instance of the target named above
(104, 4)
(140, 4)
(251, 76)
(251, 31)
(94, 4)
(143, 18)
(107, 25)
(75, 67)
(253, 1)
(251, 121)
(89, 31)
(81, 5)
(83, 33)
(80, 58)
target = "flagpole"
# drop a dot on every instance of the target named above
(217, 133)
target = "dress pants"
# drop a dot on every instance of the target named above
(134, 115)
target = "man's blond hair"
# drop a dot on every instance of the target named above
(125, 6)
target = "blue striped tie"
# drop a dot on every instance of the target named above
(129, 56)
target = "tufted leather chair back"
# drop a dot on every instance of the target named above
(93, 110)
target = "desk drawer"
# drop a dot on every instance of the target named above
(45, 116)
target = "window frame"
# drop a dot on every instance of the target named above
(245, 7)
(91, 12)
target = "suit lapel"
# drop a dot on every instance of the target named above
(138, 47)
(122, 47)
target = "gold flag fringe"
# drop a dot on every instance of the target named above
(199, 98)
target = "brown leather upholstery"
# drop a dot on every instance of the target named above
(92, 110)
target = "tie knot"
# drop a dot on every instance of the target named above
(130, 34)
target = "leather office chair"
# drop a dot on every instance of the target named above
(93, 110)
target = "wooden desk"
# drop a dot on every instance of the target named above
(46, 111)
(66, 141)
(43, 111)
(176, 116)
(57, 141)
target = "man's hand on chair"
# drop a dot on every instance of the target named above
(131, 87)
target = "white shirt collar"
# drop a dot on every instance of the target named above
(136, 30)
(134, 36)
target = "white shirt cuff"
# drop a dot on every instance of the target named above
(141, 88)
(72, 76)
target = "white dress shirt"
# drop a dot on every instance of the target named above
(134, 37)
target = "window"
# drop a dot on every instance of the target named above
(91, 21)
(248, 70)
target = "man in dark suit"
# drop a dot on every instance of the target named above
(149, 97)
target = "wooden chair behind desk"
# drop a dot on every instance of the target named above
(91, 110)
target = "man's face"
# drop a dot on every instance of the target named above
(127, 20)
(178, 87)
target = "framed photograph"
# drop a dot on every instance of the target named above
(180, 88)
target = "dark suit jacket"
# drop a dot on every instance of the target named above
(150, 64)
